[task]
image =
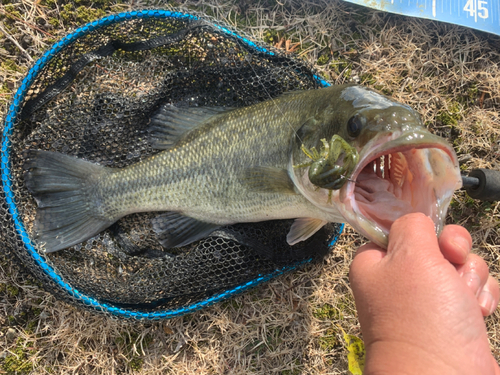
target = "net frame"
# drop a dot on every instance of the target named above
(36, 262)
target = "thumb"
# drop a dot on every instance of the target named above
(414, 235)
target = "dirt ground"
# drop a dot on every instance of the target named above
(292, 325)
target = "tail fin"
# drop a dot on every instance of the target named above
(61, 185)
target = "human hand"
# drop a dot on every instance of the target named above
(421, 302)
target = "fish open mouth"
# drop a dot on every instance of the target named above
(397, 178)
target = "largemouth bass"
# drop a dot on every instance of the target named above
(343, 153)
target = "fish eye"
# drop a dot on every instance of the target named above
(354, 125)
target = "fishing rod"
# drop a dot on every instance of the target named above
(482, 184)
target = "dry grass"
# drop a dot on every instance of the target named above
(449, 74)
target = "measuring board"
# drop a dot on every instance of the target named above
(482, 15)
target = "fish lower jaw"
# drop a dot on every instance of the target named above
(397, 182)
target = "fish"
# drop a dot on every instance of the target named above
(344, 153)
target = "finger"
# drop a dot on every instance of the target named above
(416, 229)
(455, 243)
(489, 297)
(474, 272)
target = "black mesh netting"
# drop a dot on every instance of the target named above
(92, 96)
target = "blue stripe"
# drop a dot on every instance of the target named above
(7, 184)
(336, 235)
(321, 81)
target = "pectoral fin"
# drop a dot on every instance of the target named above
(177, 230)
(170, 123)
(303, 228)
(269, 179)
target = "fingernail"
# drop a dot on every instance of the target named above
(473, 281)
(485, 300)
(462, 244)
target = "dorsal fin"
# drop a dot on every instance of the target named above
(171, 123)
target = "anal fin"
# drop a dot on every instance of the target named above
(303, 228)
(176, 230)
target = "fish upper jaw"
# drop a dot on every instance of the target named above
(399, 173)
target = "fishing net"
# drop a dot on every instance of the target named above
(92, 96)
